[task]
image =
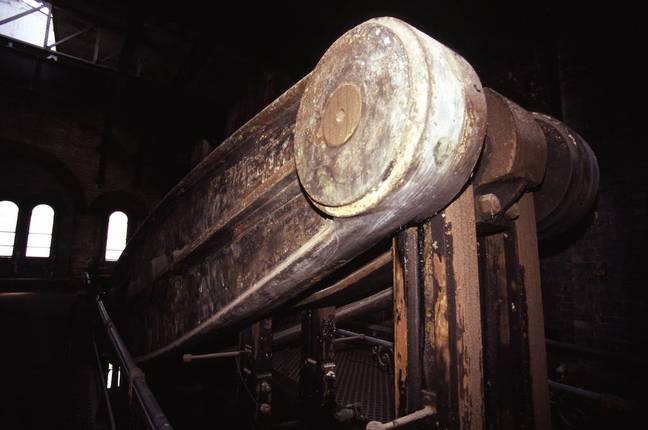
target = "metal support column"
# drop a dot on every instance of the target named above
(318, 373)
(437, 322)
(256, 369)
(515, 362)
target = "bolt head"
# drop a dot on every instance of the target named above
(265, 387)
(265, 408)
(489, 205)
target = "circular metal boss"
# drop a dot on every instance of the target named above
(357, 104)
(342, 114)
(389, 117)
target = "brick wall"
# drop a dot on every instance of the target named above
(594, 279)
(56, 139)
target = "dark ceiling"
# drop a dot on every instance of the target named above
(187, 70)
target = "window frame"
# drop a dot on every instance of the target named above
(25, 241)
(16, 243)
(106, 224)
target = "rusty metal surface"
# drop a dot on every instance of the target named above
(237, 237)
(527, 254)
(561, 166)
(256, 370)
(457, 246)
(515, 365)
(375, 271)
(498, 361)
(408, 292)
(361, 379)
(444, 258)
(513, 160)
(409, 86)
(372, 303)
(571, 184)
(318, 370)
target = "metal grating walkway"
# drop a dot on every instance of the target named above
(359, 379)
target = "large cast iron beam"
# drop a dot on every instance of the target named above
(385, 131)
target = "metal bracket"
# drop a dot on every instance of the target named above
(256, 368)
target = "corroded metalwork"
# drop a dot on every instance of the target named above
(238, 236)
(571, 183)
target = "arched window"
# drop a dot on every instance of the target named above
(41, 223)
(8, 219)
(116, 236)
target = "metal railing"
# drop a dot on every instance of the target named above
(138, 389)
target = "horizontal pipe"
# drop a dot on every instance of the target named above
(355, 277)
(369, 339)
(593, 395)
(375, 301)
(155, 418)
(188, 358)
(423, 413)
(348, 338)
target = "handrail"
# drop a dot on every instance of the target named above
(365, 337)
(104, 390)
(155, 418)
